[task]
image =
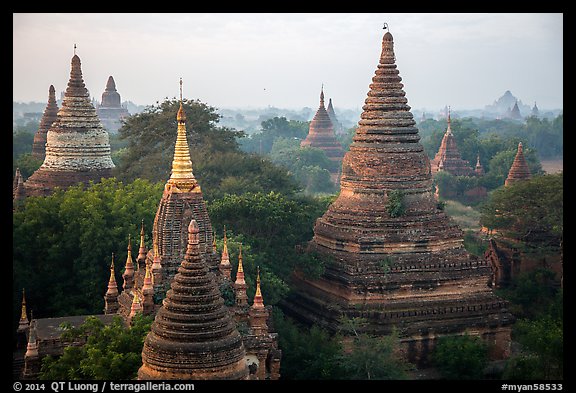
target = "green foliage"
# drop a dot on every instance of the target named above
(272, 225)
(219, 164)
(27, 164)
(273, 129)
(66, 239)
(371, 357)
(111, 352)
(306, 354)
(460, 357)
(543, 341)
(395, 205)
(22, 139)
(530, 210)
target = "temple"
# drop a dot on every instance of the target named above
(193, 335)
(110, 111)
(397, 268)
(321, 135)
(448, 157)
(77, 145)
(519, 170)
(336, 125)
(49, 117)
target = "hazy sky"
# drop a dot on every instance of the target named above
(282, 59)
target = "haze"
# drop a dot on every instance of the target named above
(273, 59)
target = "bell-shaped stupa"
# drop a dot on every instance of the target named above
(77, 145)
(193, 335)
(392, 256)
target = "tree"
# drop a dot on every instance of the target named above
(460, 357)
(214, 151)
(307, 353)
(67, 239)
(111, 352)
(530, 210)
(371, 357)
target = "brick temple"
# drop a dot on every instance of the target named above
(49, 116)
(77, 145)
(448, 157)
(519, 170)
(321, 134)
(408, 271)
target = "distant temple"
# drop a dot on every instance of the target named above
(448, 157)
(50, 116)
(519, 169)
(406, 270)
(514, 113)
(110, 111)
(321, 134)
(336, 125)
(77, 145)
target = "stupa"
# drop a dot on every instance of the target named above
(181, 201)
(404, 269)
(321, 134)
(448, 157)
(519, 170)
(193, 335)
(336, 125)
(50, 115)
(77, 145)
(110, 111)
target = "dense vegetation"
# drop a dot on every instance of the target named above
(269, 204)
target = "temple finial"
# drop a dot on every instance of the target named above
(74, 49)
(180, 89)
(385, 26)
(258, 300)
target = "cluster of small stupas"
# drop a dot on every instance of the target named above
(110, 111)
(77, 145)
(184, 269)
(408, 271)
(448, 157)
(321, 134)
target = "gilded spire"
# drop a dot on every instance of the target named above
(240, 284)
(258, 300)
(147, 286)
(128, 275)
(182, 176)
(142, 250)
(224, 267)
(23, 314)
(112, 287)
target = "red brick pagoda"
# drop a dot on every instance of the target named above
(519, 170)
(49, 117)
(448, 157)
(405, 269)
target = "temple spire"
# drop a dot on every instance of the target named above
(142, 251)
(111, 297)
(258, 300)
(24, 323)
(240, 283)
(519, 169)
(128, 275)
(224, 266)
(182, 178)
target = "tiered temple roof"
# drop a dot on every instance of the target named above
(407, 270)
(77, 145)
(49, 117)
(448, 157)
(193, 335)
(519, 170)
(321, 134)
(110, 110)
